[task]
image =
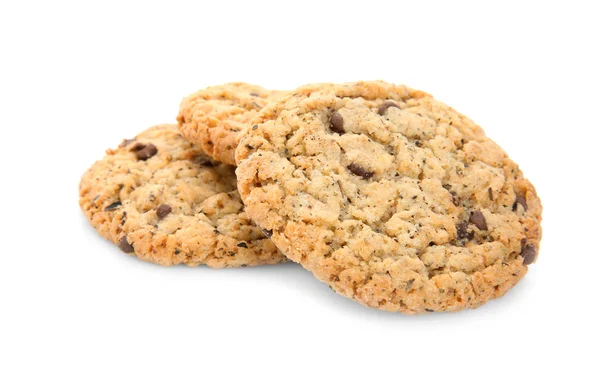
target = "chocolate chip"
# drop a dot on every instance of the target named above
(242, 244)
(529, 252)
(409, 284)
(244, 265)
(463, 232)
(163, 210)
(267, 232)
(253, 94)
(125, 246)
(337, 123)
(478, 220)
(360, 171)
(384, 107)
(113, 206)
(144, 151)
(520, 200)
(147, 152)
(137, 147)
(428, 310)
(177, 251)
(250, 147)
(490, 194)
(254, 127)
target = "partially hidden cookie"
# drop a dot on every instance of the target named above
(213, 117)
(392, 198)
(158, 197)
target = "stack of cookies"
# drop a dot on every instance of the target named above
(392, 198)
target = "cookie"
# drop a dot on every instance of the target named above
(392, 198)
(213, 117)
(158, 197)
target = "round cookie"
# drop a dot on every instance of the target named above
(213, 117)
(160, 198)
(392, 198)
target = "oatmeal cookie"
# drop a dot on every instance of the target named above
(389, 196)
(213, 117)
(158, 197)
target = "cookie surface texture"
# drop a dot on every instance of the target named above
(162, 199)
(392, 198)
(213, 117)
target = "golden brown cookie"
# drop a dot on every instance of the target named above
(162, 199)
(213, 117)
(392, 198)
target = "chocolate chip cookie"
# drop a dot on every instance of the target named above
(213, 117)
(389, 196)
(160, 198)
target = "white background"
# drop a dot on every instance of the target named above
(75, 79)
